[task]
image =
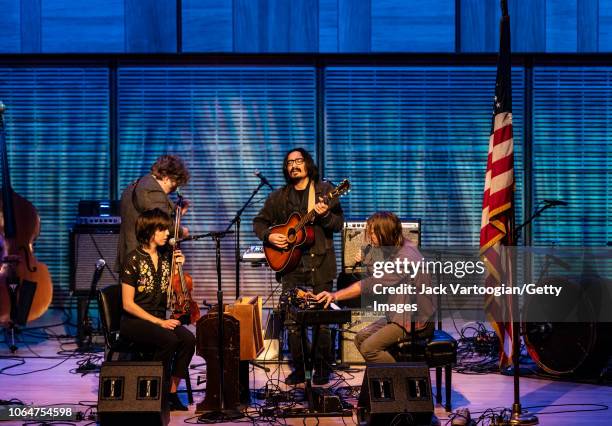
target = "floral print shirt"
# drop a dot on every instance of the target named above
(150, 283)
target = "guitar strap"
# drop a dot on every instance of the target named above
(311, 196)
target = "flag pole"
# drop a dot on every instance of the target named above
(517, 417)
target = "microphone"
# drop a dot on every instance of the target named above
(556, 202)
(365, 251)
(175, 241)
(100, 264)
(262, 178)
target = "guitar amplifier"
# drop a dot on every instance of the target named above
(88, 244)
(353, 240)
(359, 320)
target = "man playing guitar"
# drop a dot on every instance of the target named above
(317, 267)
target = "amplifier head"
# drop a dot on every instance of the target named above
(353, 240)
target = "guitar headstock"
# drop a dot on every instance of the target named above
(343, 188)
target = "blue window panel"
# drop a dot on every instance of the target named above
(328, 26)
(10, 36)
(561, 26)
(225, 123)
(304, 26)
(276, 28)
(354, 26)
(414, 140)
(208, 26)
(150, 26)
(572, 154)
(30, 26)
(57, 132)
(480, 25)
(249, 26)
(72, 26)
(528, 25)
(605, 26)
(588, 25)
(408, 26)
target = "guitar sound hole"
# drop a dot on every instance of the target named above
(291, 236)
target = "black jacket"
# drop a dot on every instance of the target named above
(320, 259)
(149, 195)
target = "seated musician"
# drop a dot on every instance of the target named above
(145, 283)
(384, 233)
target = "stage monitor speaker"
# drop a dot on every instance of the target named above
(87, 245)
(353, 240)
(132, 392)
(397, 393)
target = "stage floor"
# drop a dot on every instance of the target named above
(44, 374)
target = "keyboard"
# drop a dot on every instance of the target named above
(319, 316)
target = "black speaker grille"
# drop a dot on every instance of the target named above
(87, 247)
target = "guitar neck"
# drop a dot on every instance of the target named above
(309, 217)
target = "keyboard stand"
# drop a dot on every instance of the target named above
(309, 357)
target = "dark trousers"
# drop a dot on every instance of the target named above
(323, 350)
(174, 348)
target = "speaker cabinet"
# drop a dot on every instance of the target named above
(397, 393)
(353, 240)
(132, 392)
(87, 245)
(359, 320)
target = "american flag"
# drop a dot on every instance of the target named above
(497, 224)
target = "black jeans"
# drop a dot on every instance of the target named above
(174, 348)
(323, 351)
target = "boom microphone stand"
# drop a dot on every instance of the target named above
(86, 330)
(222, 414)
(236, 221)
(518, 417)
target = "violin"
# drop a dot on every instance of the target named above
(21, 273)
(186, 310)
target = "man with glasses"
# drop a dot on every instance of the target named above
(316, 270)
(149, 192)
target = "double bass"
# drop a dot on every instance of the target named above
(186, 310)
(23, 279)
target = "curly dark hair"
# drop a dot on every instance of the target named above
(171, 166)
(311, 168)
(150, 221)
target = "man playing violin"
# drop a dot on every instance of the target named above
(149, 192)
(302, 193)
(145, 284)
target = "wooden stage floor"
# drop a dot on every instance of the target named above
(47, 377)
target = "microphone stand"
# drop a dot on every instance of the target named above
(236, 221)
(222, 414)
(531, 218)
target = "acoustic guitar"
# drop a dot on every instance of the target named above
(299, 235)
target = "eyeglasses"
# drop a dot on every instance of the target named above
(297, 162)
